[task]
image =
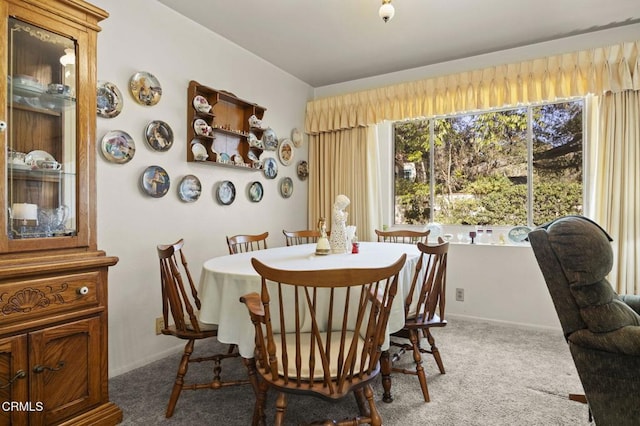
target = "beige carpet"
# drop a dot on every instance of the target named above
(496, 375)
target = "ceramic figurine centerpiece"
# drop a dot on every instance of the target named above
(339, 217)
(322, 246)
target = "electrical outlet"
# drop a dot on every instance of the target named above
(460, 294)
(159, 325)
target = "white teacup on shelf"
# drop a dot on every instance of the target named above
(48, 165)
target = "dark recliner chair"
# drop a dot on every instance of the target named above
(601, 327)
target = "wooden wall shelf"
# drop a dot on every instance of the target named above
(228, 143)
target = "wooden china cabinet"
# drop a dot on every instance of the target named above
(53, 278)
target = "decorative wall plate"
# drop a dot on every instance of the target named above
(155, 181)
(201, 127)
(159, 135)
(255, 191)
(253, 156)
(226, 192)
(296, 137)
(285, 151)
(199, 151)
(201, 104)
(270, 168)
(109, 102)
(286, 187)
(145, 88)
(270, 140)
(118, 147)
(189, 189)
(303, 170)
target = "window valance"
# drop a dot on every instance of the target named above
(613, 68)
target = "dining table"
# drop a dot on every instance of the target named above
(224, 279)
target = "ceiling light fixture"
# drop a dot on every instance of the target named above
(386, 11)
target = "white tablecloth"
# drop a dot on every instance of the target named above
(225, 279)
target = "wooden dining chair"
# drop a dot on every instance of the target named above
(307, 236)
(180, 306)
(319, 333)
(245, 243)
(402, 236)
(424, 308)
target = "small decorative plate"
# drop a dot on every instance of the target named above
(199, 151)
(296, 137)
(201, 104)
(155, 181)
(118, 147)
(286, 187)
(303, 170)
(270, 140)
(519, 234)
(201, 127)
(285, 151)
(159, 135)
(189, 189)
(254, 141)
(34, 156)
(253, 156)
(270, 168)
(109, 102)
(255, 191)
(237, 160)
(226, 192)
(145, 88)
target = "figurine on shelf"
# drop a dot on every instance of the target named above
(339, 224)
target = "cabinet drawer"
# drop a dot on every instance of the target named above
(26, 300)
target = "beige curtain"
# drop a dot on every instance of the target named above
(617, 184)
(613, 68)
(345, 162)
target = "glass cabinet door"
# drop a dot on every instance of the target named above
(41, 190)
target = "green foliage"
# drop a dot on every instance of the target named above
(480, 165)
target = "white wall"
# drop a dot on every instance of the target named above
(144, 35)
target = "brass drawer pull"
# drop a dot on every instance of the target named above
(19, 375)
(41, 368)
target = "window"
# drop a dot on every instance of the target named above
(508, 167)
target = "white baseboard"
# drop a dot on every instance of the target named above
(505, 323)
(147, 360)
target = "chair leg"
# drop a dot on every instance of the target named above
(417, 357)
(179, 383)
(385, 370)
(259, 418)
(281, 408)
(434, 351)
(363, 408)
(374, 415)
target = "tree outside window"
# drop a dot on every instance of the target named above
(509, 167)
